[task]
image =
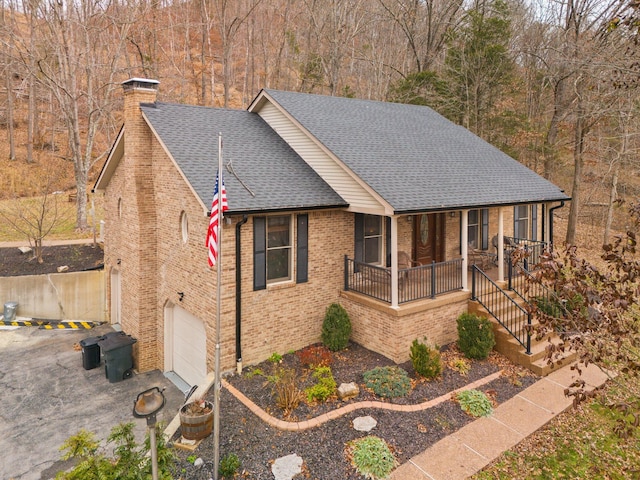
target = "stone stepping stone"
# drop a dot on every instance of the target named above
(364, 424)
(285, 468)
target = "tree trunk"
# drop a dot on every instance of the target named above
(10, 129)
(613, 195)
(578, 150)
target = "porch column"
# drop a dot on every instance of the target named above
(500, 244)
(394, 261)
(464, 238)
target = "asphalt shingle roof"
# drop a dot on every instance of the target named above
(278, 178)
(413, 157)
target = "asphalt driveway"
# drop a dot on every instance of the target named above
(47, 396)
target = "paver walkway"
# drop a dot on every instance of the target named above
(477, 444)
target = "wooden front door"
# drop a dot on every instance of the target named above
(428, 238)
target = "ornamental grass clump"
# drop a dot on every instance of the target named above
(325, 387)
(475, 403)
(426, 361)
(388, 382)
(475, 336)
(336, 328)
(371, 457)
(288, 395)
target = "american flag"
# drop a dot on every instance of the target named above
(212, 233)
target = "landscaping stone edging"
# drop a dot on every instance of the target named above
(332, 415)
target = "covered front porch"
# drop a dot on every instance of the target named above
(453, 242)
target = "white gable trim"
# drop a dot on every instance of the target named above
(112, 162)
(360, 196)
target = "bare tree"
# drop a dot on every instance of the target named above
(7, 64)
(425, 25)
(34, 218)
(77, 59)
(230, 16)
(594, 309)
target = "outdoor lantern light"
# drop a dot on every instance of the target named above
(147, 405)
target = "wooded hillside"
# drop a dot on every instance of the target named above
(552, 83)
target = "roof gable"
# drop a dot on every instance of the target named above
(413, 157)
(262, 172)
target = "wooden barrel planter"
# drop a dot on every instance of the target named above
(196, 421)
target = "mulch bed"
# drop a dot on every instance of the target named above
(323, 448)
(76, 257)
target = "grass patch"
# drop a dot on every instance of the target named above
(577, 444)
(65, 225)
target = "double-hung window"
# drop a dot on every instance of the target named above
(373, 239)
(525, 222)
(279, 248)
(273, 249)
(478, 228)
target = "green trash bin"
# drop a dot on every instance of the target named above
(117, 351)
(90, 352)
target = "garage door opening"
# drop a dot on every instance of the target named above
(185, 346)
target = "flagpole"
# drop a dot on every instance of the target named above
(217, 382)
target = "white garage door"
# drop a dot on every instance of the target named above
(188, 346)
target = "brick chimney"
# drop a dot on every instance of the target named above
(139, 313)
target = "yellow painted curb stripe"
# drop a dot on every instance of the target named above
(50, 325)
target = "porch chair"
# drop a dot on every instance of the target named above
(405, 262)
(508, 245)
(481, 258)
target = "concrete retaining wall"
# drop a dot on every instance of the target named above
(57, 296)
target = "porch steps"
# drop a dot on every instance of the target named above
(511, 348)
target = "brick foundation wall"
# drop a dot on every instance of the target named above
(391, 332)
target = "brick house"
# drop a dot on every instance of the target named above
(377, 206)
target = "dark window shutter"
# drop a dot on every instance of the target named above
(387, 235)
(302, 249)
(484, 213)
(358, 249)
(516, 217)
(534, 222)
(259, 253)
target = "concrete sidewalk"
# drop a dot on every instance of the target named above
(477, 444)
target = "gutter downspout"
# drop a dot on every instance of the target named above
(239, 294)
(551, 221)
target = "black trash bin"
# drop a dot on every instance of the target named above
(90, 352)
(117, 349)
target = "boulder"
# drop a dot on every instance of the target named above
(347, 391)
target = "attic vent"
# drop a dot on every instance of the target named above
(138, 83)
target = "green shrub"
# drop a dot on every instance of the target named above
(388, 382)
(229, 465)
(475, 403)
(325, 387)
(275, 357)
(475, 336)
(556, 308)
(426, 361)
(371, 457)
(130, 460)
(549, 307)
(336, 327)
